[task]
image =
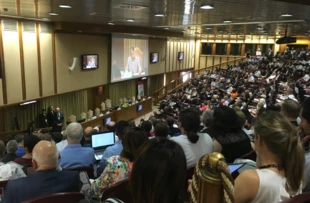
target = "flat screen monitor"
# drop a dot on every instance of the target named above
(180, 56)
(107, 120)
(102, 140)
(89, 61)
(130, 58)
(154, 57)
(139, 107)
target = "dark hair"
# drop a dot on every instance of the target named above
(306, 110)
(161, 130)
(132, 141)
(170, 121)
(46, 136)
(147, 126)
(152, 184)
(121, 128)
(111, 128)
(225, 120)
(30, 141)
(291, 108)
(57, 137)
(190, 122)
(19, 138)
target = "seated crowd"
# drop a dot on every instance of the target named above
(257, 106)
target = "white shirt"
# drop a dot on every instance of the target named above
(133, 66)
(61, 145)
(194, 151)
(272, 187)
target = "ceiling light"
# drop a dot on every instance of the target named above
(64, 6)
(206, 7)
(110, 23)
(53, 14)
(227, 21)
(28, 102)
(286, 15)
(159, 15)
(166, 28)
(130, 20)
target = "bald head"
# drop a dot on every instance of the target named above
(111, 126)
(88, 132)
(74, 133)
(57, 109)
(45, 155)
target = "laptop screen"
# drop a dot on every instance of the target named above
(102, 140)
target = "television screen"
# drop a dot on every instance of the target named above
(130, 58)
(180, 56)
(89, 61)
(154, 57)
(107, 120)
(139, 107)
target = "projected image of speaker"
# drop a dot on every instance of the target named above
(89, 61)
(180, 56)
(154, 58)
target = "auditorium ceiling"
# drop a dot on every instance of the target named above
(244, 17)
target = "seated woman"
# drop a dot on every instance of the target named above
(193, 145)
(119, 167)
(280, 162)
(29, 142)
(229, 138)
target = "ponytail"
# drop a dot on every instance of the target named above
(193, 137)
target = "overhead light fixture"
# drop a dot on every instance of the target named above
(53, 14)
(28, 102)
(110, 23)
(166, 28)
(64, 6)
(159, 15)
(286, 15)
(130, 20)
(227, 21)
(207, 6)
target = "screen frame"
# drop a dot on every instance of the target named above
(151, 61)
(105, 120)
(103, 147)
(138, 105)
(82, 60)
(179, 54)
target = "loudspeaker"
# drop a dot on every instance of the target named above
(75, 59)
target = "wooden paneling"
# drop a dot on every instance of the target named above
(3, 94)
(39, 53)
(54, 62)
(22, 63)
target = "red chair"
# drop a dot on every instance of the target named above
(68, 197)
(302, 198)
(87, 169)
(3, 186)
(119, 190)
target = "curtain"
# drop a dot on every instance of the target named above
(156, 82)
(121, 90)
(73, 103)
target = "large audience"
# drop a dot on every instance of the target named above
(257, 107)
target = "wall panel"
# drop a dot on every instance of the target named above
(1, 92)
(209, 61)
(31, 65)
(157, 45)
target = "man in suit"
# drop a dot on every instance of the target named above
(43, 119)
(58, 121)
(46, 181)
(50, 116)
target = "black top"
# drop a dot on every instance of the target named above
(234, 145)
(294, 123)
(9, 157)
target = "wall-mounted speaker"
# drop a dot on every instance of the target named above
(75, 59)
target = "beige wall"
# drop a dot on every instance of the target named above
(157, 45)
(69, 46)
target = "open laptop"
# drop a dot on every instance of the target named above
(101, 141)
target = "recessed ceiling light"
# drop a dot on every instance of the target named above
(286, 15)
(166, 28)
(159, 15)
(206, 7)
(110, 23)
(130, 20)
(227, 21)
(53, 14)
(64, 6)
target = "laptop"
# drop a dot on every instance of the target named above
(235, 167)
(101, 141)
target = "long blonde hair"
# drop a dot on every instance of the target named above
(281, 139)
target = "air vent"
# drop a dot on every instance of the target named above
(29, 27)
(10, 25)
(45, 28)
(130, 7)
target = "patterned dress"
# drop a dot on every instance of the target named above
(117, 169)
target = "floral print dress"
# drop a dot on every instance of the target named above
(117, 169)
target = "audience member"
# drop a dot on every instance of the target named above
(119, 167)
(29, 142)
(111, 126)
(46, 136)
(207, 118)
(57, 137)
(229, 137)
(20, 140)
(193, 145)
(74, 155)
(88, 132)
(291, 109)
(161, 130)
(280, 162)
(151, 183)
(147, 126)
(121, 128)
(11, 148)
(173, 129)
(46, 181)
(62, 144)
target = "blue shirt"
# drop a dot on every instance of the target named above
(74, 156)
(116, 149)
(20, 152)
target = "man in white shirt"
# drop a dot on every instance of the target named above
(258, 52)
(62, 144)
(133, 63)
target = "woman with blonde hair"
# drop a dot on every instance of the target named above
(139, 53)
(280, 162)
